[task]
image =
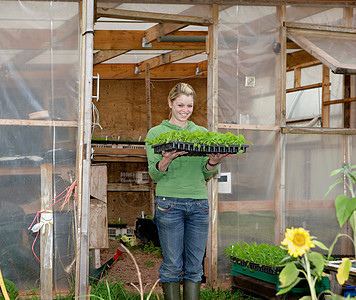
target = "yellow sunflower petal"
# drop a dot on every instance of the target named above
(297, 241)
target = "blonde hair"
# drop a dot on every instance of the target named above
(179, 89)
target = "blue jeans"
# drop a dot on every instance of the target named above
(183, 230)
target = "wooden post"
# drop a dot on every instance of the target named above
(148, 97)
(347, 107)
(212, 121)
(46, 251)
(325, 109)
(84, 149)
(149, 125)
(280, 120)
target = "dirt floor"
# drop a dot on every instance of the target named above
(124, 267)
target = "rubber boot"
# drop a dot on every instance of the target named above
(171, 291)
(191, 290)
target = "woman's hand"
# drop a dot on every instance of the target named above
(168, 156)
(214, 160)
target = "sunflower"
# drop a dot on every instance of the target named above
(298, 241)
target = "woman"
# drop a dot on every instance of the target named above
(182, 208)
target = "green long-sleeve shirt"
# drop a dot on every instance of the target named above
(186, 175)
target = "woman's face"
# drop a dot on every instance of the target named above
(182, 108)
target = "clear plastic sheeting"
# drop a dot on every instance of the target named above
(283, 173)
(39, 62)
(247, 58)
(310, 159)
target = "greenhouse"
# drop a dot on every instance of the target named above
(84, 81)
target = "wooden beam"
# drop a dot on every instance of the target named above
(308, 3)
(46, 240)
(248, 127)
(268, 205)
(300, 59)
(166, 58)
(346, 100)
(161, 29)
(305, 87)
(321, 28)
(104, 55)
(148, 96)
(133, 40)
(128, 187)
(151, 17)
(325, 97)
(212, 124)
(305, 130)
(127, 71)
(19, 122)
(119, 151)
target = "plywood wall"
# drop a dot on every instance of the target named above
(123, 110)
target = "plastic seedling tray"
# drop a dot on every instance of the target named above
(199, 150)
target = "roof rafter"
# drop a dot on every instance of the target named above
(166, 58)
(104, 55)
(151, 17)
(161, 29)
(132, 40)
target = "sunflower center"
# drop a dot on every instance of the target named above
(299, 240)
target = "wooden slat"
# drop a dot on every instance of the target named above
(127, 71)
(325, 97)
(304, 130)
(248, 127)
(305, 87)
(18, 122)
(161, 29)
(308, 3)
(118, 151)
(319, 28)
(346, 100)
(108, 158)
(151, 17)
(104, 55)
(269, 205)
(46, 240)
(212, 125)
(166, 58)
(132, 40)
(128, 187)
(301, 59)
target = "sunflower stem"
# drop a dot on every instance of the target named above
(309, 277)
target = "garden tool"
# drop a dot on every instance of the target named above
(96, 274)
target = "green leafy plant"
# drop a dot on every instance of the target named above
(199, 138)
(262, 254)
(309, 264)
(345, 206)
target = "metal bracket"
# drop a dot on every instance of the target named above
(136, 71)
(97, 87)
(197, 71)
(144, 44)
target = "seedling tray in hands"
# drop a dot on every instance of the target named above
(199, 150)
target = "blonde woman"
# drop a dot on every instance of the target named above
(182, 208)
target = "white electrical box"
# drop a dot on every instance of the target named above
(224, 183)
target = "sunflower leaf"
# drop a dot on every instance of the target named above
(318, 261)
(288, 288)
(343, 271)
(344, 208)
(288, 275)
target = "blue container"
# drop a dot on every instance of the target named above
(350, 291)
